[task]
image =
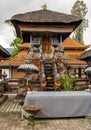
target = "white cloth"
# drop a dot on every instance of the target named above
(60, 104)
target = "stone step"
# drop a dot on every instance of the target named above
(49, 88)
(48, 61)
(50, 81)
(48, 64)
(48, 67)
(50, 84)
(49, 70)
(49, 74)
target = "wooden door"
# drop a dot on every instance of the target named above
(46, 44)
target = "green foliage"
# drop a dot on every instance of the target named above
(15, 44)
(14, 52)
(80, 9)
(78, 34)
(66, 83)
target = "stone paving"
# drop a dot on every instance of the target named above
(12, 121)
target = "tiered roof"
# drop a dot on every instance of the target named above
(20, 57)
(74, 49)
(15, 61)
(75, 61)
(70, 43)
(86, 55)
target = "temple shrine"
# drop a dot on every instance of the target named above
(46, 45)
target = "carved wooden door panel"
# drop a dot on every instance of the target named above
(46, 43)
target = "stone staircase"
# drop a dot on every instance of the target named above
(49, 73)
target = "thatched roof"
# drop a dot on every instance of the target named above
(45, 16)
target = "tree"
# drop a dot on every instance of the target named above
(15, 44)
(80, 9)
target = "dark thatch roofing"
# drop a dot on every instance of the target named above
(4, 53)
(45, 16)
(85, 55)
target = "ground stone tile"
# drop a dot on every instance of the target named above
(12, 121)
